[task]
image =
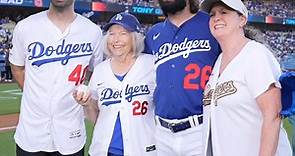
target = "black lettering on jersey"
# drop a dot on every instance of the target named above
(150, 148)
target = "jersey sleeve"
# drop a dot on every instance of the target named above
(94, 80)
(262, 71)
(147, 49)
(148, 41)
(17, 53)
(97, 55)
(92, 86)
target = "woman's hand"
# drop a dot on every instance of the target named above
(82, 95)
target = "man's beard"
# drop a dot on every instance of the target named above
(172, 7)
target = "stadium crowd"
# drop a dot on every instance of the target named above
(147, 3)
(279, 8)
(282, 42)
(6, 27)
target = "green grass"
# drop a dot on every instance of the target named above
(89, 129)
(288, 128)
(7, 144)
(9, 98)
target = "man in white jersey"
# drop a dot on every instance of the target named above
(50, 56)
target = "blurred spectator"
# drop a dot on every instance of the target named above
(277, 8)
(282, 42)
(147, 3)
(5, 70)
(8, 74)
(6, 28)
(2, 65)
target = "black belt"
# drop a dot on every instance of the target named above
(183, 125)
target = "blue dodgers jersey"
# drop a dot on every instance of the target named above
(185, 57)
(287, 81)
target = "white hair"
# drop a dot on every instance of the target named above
(137, 44)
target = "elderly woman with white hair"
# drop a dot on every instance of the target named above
(242, 98)
(120, 100)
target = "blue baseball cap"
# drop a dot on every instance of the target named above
(126, 20)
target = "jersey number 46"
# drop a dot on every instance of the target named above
(78, 74)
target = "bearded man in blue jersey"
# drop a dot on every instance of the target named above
(185, 52)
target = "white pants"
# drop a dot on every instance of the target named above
(184, 143)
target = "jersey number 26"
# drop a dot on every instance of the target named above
(195, 72)
(139, 108)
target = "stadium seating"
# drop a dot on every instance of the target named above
(277, 8)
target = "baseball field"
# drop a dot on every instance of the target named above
(10, 97)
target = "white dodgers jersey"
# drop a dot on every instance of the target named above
(132, 99)
(55, 63)
(231, 113)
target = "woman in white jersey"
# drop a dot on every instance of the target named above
(121, 91)
(242, 98)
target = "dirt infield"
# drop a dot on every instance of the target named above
(8, 122)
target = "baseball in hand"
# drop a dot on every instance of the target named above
(83, 94)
